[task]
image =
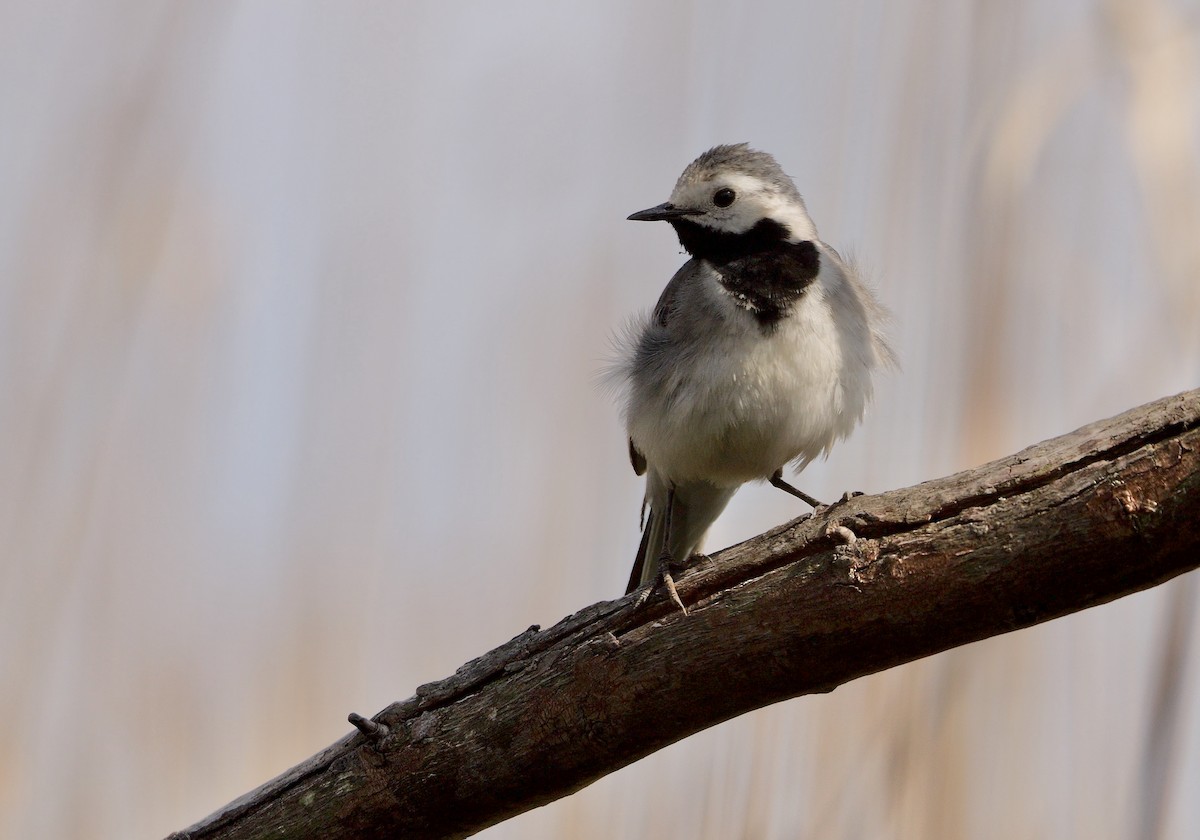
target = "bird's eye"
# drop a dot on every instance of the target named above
(724, 197)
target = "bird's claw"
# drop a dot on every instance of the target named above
(664, 574)
(665, 562)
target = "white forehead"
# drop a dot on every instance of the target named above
(756, 199)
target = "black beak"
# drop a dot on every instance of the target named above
(663, 212)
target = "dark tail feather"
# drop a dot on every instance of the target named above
(635, 577)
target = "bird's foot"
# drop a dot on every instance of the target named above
(665, 562)
(664, 574)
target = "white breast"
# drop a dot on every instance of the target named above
(736, 402)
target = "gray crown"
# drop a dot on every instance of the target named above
(741, 158)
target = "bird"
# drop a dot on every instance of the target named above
(760, 352)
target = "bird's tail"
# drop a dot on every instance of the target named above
(639, 563)
(696, 507)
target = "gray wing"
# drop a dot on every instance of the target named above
(666, 334)
(666, 301)
(662, 313)
(651, 338)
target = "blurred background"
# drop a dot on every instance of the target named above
(301, 309)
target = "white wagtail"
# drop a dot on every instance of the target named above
(759, 352)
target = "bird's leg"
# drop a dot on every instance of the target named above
(664, 558)
(777, 481)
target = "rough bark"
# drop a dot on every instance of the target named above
(867, 584)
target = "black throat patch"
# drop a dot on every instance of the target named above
(763, 272)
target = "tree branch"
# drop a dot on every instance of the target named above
(864, 585)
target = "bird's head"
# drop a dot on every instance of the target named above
(731, 191)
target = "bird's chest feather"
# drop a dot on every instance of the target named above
(753, 373)
(744, 397)
(768, 283)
